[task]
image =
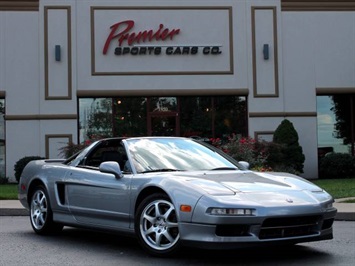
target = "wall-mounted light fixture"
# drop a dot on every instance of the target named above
(57, 53)
(266, 51)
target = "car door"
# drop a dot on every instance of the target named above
(98, 199)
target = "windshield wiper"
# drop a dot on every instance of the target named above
(161, 170)
(224, 168)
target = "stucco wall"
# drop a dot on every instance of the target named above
(309, 51)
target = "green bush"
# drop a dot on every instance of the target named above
(247, 149)
(286, 151)
(337, 165)
(20, 165)
(4, 180)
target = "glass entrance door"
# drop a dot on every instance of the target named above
(163, 125)
(163, 116)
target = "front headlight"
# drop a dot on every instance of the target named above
(232, 211)
(329, 205)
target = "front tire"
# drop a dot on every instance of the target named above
(157, 226)
(41, 215)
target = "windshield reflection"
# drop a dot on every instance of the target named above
(174, 154)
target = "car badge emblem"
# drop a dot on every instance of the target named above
(289, 200)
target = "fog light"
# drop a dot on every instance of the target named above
(232, 211)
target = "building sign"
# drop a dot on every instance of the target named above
(146, 41)
(121, 32)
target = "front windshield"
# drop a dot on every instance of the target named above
(174, 154)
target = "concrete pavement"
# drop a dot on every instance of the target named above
(346, 211)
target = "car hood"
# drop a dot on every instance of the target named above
(266, 189)
(227, 182)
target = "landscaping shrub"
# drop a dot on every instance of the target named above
(249, 150)
(337, 165)
(3, 180)
(286, 153)
(20, 165)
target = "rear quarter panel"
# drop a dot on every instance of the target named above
(44, 173)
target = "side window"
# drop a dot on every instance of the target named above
(103, 151)
(113, 155)
(94, 158)
(107, 153)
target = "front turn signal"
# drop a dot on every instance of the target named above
(185, 208)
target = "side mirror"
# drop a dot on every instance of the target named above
(245, 165)
(111, 168)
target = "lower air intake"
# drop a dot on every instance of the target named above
(289, 227)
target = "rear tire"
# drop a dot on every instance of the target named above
(41, 215)
(157, 227)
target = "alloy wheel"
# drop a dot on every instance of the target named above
(159, 226)
(39, 209)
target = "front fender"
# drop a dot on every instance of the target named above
(177, 190)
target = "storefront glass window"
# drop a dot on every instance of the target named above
(163, 104)
(213, 117)
(95, 118)
(230, 116)
(130, 116)
(205, 117)
(196, 117)
(336, 123)
(2, 138)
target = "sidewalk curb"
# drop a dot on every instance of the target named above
(13, 212)
(345, 216)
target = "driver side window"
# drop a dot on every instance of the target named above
(106, 154)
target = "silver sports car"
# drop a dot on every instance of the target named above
(170, 192)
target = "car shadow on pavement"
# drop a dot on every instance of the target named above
(118, 245)
(285, 255)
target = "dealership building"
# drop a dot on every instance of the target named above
(75, 71)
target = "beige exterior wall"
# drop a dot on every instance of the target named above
(311, 51)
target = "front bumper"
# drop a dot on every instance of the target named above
(253, 231)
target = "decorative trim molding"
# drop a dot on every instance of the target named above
(286, 5)
(176, 92)
(19, 5)
(275, 52)
(260, 133)
(94, 72)
(56, 136)
(41, 117)
(334, 90)
(283, 114)
(46, 51)
(317, 5)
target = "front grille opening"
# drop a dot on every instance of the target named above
(289, 227)
(327, 223)
(233, 230)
